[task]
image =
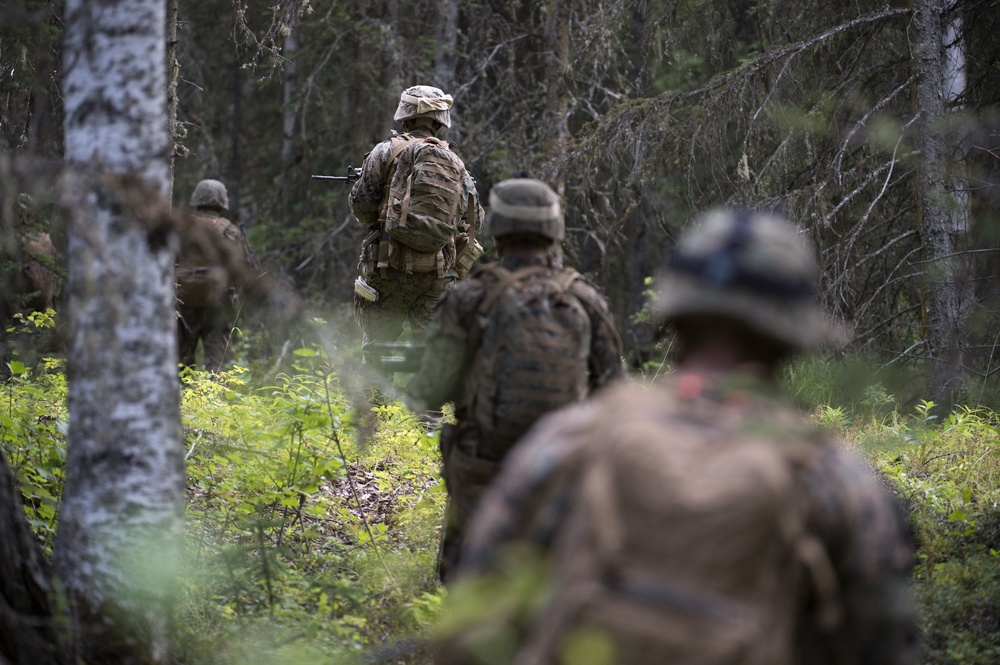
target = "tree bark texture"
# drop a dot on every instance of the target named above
(120, 521)
(943, 207)
(290, 109)
(173, 71)
(447, 45)
(27, 619)
(557, 29)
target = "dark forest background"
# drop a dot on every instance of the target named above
(639, 113)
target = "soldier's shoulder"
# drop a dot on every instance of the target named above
(585, 290)
(465, 294)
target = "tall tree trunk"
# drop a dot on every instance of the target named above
(120, 522)
(173, 70)
(557, 29)
(234, 176)
(447, 45)
(290, 108)
(944, 211)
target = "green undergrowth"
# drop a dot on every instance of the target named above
(945, 472)
(306, 540)
(312, 523)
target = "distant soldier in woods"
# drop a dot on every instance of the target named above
(422, 211)
(30, 273)
(702, 520)
(214, 261)
(516, 340)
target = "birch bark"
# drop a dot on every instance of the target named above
(938, 61)
(121, 517)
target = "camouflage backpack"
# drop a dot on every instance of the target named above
(423, 207)
(686, 540)
(202, 266)
(534, 344)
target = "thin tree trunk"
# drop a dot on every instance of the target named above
(557, 30)
(120, 523)
(943, 210)
(291, 107)
(173, 70)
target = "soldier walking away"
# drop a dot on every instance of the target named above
(214, 262)
(702, 520)
(516, 340)
(422, 211)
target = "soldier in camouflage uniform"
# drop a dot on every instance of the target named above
(423, 111)
(526, 223)
(213, 263)
(650, 547)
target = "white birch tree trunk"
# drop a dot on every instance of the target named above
(120, 523)
(944, 206)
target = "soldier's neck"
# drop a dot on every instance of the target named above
(716, 356)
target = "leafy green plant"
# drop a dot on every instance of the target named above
(948, 475)
(313, 523)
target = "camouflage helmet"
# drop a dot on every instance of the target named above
(524, 206)
(424, 101)
(210, 194)
(751, 267)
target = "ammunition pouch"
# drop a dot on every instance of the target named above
(370, 252)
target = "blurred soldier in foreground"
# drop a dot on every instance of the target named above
(516, 340)
(214, 261)
(702, 520)
(422, 211)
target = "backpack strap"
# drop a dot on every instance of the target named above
(506, 278)
(402, 142)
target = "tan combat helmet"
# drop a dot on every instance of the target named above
(750, 267)
(210, 194)
(524, 206)
(424, 101)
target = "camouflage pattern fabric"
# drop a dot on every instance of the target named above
(39, 275)
(448, 353)
(213, 243)
(211, 325)
(402, 296)
(843, 506)
(368, 193)
(447, 360)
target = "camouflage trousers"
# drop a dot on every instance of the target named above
(212, 326)
(402, 298)
(467, 476)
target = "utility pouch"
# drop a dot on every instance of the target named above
(383, 254)
(469, 251)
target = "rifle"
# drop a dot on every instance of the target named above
(395, 356)
(353, 173)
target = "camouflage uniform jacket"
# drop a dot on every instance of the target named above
(369, 192)
(214, 241)
(530, 502)
(449, 345)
